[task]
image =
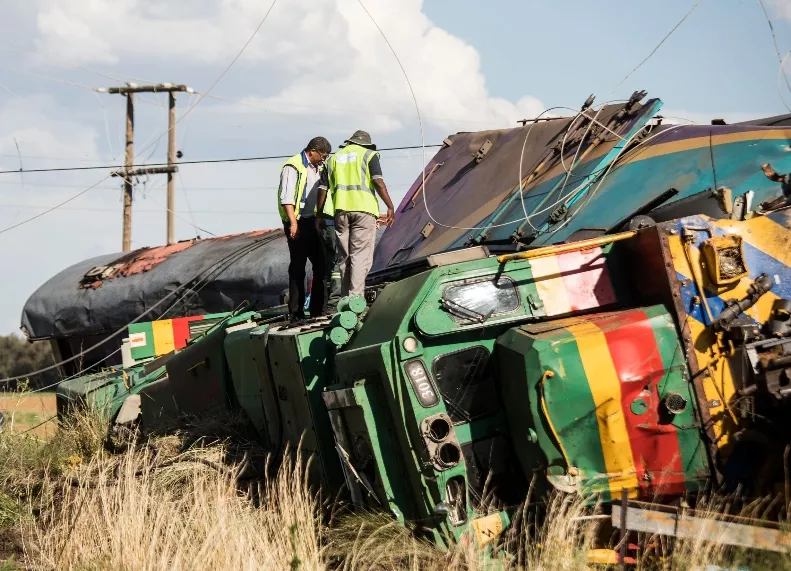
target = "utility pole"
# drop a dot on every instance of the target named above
(129, 160)
(171, 164)
(130, 171)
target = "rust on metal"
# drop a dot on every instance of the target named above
(741, 532)
(145, 259)
(581, 245)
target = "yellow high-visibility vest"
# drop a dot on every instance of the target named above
(351, 185)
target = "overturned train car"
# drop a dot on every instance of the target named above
(644, 361)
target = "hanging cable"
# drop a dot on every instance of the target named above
(612, 166)
(781, 74)
(626, 145)
(187, 200)
(422, 138)
(780, 59)
(527, 218)
(177, 215)
(659, 45)
(74, 376)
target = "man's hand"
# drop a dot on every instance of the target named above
(293, 230)
(388, 219)
(320, 223)
(381, 189)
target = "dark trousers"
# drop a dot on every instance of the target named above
(308, 245)
(333, 276)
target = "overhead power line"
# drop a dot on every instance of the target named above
(199, 162)
(187, 112)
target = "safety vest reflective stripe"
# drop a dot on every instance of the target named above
(364, 176)
(352, 187)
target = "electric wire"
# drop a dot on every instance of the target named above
(573, 160)
(781, 72)
(522, 156)
(611, 166)
(780, 59)
(123, 79)
(420, 123)
(659, 45)
(72, 198)
(74, 376)
(334, 109)
(625, 146)
(177, 215)
(106, 125)
(563, 198)
(48, 78)
(520, 190)
(187, 112)
(142, 211)
(37, 112)
(40, 424)
(625, 152)
(187, 201)
(196, 162)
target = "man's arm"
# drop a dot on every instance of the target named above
(321, 197)
(292, 221)
(288, 189)
(320, 200)
(381, 190)
(375, 168)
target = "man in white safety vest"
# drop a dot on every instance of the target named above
(297, 194)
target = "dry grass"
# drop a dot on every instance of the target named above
(178, 503)
(135, 515)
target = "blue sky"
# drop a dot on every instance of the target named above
(720, 60)
(319, 67)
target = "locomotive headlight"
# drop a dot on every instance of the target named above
(421, 383)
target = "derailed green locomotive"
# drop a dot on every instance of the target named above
(639, 361)
(581, 347)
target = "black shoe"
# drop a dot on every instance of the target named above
(296, 318)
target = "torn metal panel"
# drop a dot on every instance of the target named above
(715, 528)
(478, 201)
(470, 193)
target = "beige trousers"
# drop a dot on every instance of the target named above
(356, 232)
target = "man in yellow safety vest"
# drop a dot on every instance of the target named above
(354, 178)
(297, 193)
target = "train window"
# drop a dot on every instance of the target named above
(465, 381)
(481, 299)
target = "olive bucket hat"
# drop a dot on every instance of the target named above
(361, 138)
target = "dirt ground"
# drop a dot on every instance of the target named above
(28, 412)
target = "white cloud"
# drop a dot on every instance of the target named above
(324, 53)
(320, 66)
(782, 8)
